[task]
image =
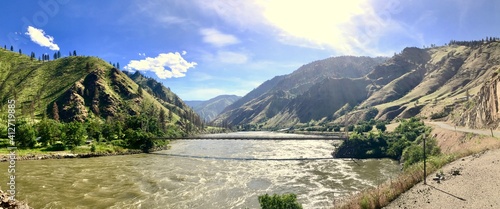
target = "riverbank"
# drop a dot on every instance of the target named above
(67, 155)
(454, 146)
(6, 203)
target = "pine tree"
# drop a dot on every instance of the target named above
(11, 48)
(74, 52)
(58, 54)
(139, 91)
(162, 119)
(55, 111)
(118, 65)
(20, 52)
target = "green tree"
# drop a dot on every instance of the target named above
(25, 135)
(11, 48)
(48, 131)
(74, 134)
(74, 52)
(139, 91)
(381, 126)
(285, 201)
(94, 131)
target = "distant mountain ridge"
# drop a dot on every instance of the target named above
(277, 101)
(209, 109)
(429, 82)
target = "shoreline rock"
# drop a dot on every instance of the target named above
(6, 203)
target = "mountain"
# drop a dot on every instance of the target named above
(81, 87)
(283, 100)
(209, 109)
(456, 82)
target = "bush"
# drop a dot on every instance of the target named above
(381, 126)
(285, 201)
(58, 146)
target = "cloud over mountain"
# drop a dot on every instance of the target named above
(39, 37)
(165, 65)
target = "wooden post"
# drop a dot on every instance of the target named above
(425, 169)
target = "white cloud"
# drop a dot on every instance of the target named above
(142, 54)
(184, 52)
(39, 37)
(348, 27)
(165, 65)
(232, 57)
(217, 38)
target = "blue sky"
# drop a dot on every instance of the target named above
(204, 48)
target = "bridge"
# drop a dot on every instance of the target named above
(281, 138)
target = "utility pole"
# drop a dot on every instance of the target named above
(425, 169)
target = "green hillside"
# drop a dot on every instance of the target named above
(85, 87)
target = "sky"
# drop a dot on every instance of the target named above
(204, 48)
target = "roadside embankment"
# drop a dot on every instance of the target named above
(474, 156)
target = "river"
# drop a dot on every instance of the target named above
(199, 174)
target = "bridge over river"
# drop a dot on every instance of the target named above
(283, 137)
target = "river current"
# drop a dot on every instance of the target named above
(200, 174)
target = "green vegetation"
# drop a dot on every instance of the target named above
(83, 103)
(285, 201)
(58, 136)
(405, 143)
(51, 135)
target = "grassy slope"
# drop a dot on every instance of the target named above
(37, 83)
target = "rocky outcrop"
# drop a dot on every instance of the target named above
(7, 203)
(484, 108)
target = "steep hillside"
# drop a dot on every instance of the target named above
(272, 99)
(209, 109)
(455, 82)
(80, 87)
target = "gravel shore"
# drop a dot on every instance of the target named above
(476, 186)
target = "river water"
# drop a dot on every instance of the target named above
(199, 174)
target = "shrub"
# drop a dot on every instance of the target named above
(285, 201)
(381, 126)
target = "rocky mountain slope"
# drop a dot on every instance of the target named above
(79, 87)
(209, 109)
(271, 101)
(454, 82)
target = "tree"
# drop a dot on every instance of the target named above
(118, 65)
(55, 55)
(20, 52)
(58, 54)
(381, 126)
(5, 47)
(48, 130)
(162, 119)
(55, 112)
(74, 52)
(25, 135)
(11, 48)
(74, 134)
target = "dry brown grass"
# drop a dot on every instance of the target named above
(454, 145)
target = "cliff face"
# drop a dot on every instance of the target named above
(485, 110)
